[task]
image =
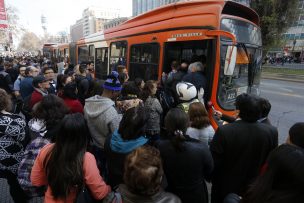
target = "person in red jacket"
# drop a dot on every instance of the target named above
(41, 85)
(70, 98)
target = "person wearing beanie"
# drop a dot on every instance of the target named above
(102, 117)
(100, 111)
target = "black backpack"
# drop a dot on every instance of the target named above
(26, 107)
(166, 99)
(4, 80)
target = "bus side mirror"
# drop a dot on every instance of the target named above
(230, 60)
(231, 54)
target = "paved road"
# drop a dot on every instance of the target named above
(287, 100)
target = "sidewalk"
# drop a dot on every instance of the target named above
(283, 76)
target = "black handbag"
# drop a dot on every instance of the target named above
(85, 196)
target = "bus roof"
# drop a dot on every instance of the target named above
(195, 13)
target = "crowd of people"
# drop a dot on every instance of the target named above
(66, 137)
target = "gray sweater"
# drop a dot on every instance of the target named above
(154, 111)
(102, 118)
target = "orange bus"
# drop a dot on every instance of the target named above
(63, 52)
(49, 50)
(226, 33)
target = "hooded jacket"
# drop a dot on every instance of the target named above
(102, 118)
(117, 149)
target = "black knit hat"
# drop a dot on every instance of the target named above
(112, 82)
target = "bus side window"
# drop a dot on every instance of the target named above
(91, 53)
(144, 61)
(101, 63)
(83, 54)
(118, 53)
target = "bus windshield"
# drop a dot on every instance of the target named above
(247, 73)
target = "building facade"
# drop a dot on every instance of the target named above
(76, 31)
(95, 17)
(114, 22)
(142, 6)
(294, 37)
(92, 21)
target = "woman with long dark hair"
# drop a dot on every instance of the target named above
(129, 136)
(153, 109)
(186, 161)
(70, 98)
(66, 167)
(43, 128)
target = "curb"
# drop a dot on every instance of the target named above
(272, 77)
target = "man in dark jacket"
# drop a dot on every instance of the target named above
(83, 84)
(178, 76)
(26, 86)
(240, 149)
(196, 76)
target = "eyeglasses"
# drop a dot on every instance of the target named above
(48, 73)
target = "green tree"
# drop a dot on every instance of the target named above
(276, 17)
(30, 42)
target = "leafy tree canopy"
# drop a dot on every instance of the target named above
(276, 17)
(30, 42)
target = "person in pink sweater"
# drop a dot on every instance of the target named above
(65, 167)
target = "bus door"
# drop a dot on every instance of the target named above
(192, 51)
(101, 63)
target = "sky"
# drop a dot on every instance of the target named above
(60, 14)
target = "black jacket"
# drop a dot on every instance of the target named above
(187, 170)
(159, 197)
(239, 149)
(198, 79)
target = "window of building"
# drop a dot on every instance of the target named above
(144, 61)
(301, 4)
(118, 54)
